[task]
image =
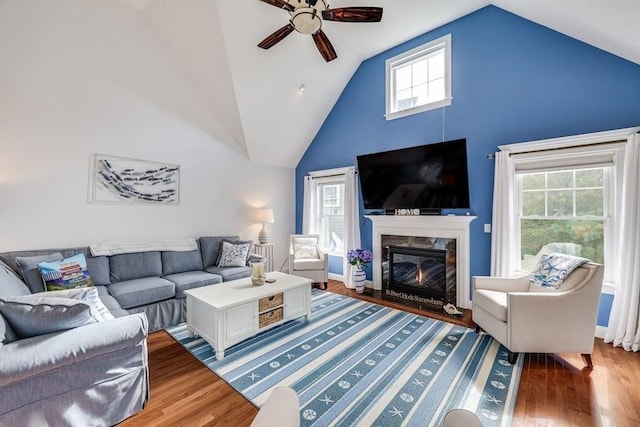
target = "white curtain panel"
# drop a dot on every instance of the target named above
(503, 240)
(624, 320)
(309, 207)
(351, 224)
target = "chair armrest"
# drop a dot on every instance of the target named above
(323, 255)
(32, 356)
(502, 284)
(291, 259)
(552, 322)
(256, 258)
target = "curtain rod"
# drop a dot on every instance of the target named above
(329, 175)
(544, 150)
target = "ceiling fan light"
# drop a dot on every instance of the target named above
(306, 20)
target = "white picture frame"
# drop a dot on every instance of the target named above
(132, 181)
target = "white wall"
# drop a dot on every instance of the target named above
(85, 77)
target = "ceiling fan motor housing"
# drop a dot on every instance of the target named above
(307, 16)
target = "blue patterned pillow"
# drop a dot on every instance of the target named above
(69, 273)
(553, 268)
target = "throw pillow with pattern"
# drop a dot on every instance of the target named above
(234, 255)
(553, 268)
(69, 273)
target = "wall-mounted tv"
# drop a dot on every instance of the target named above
(429, 177)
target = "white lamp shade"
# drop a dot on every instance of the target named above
(264, 215)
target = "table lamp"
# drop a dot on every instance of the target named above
(265, 216)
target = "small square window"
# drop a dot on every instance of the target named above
(419, 80)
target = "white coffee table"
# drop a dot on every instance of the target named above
(233, 311)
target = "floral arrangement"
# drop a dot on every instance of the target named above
(359, 257)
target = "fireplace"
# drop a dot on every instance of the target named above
(444, 232)
(419, 271)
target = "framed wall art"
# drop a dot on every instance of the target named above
(123, 180)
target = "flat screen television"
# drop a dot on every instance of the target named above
(428, 177)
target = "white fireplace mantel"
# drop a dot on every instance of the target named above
(442, 226)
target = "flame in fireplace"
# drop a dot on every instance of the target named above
(419, 275)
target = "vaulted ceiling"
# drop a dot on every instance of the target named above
(252, 94)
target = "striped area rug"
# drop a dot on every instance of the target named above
(362, 364)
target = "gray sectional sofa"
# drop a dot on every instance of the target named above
(97, 373)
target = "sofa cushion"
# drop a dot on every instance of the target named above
(89, 295)
(110, 302)
(308, 264)
(494, 302)
(68, 273)
(10, 285)
(210, 248)
(179, 262)
(192, 279)
(6, 333)
(230, 273)
(34, 315)
(99, 270)
(234, 254)
(30, 272)
(135, 266)
(137, 292)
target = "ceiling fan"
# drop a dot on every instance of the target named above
(307, 16)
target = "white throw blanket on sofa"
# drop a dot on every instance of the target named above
(116, 248)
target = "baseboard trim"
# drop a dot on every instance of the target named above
(601, 331)
(337, 277)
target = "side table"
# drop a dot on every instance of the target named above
(266, 250)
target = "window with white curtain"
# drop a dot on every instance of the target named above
(565, 201)
(328, 218)
(331, 221)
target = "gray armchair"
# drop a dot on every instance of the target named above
(528, 319)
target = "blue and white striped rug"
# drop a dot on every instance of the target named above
(362, 364)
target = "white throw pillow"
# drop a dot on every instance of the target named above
(234, 255)
(305, 251)
(89, 295)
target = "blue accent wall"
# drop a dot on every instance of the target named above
(606, 302)
(512, 81)
(335, 264)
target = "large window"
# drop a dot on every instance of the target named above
(331, 213)
(564, 211)
(419, 80)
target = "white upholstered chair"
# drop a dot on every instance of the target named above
(526, 318)
(281, 409)
(307, 259)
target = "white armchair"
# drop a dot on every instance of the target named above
(526, 318)
(307, 259)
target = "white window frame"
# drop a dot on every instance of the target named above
(575, 152)
(608, 212)
(320, 178)
(410, 56)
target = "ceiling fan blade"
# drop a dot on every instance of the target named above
(324, 46)
(353, 14)
(281, 4)
(276, 37)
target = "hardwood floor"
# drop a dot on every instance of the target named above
(554, 390)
